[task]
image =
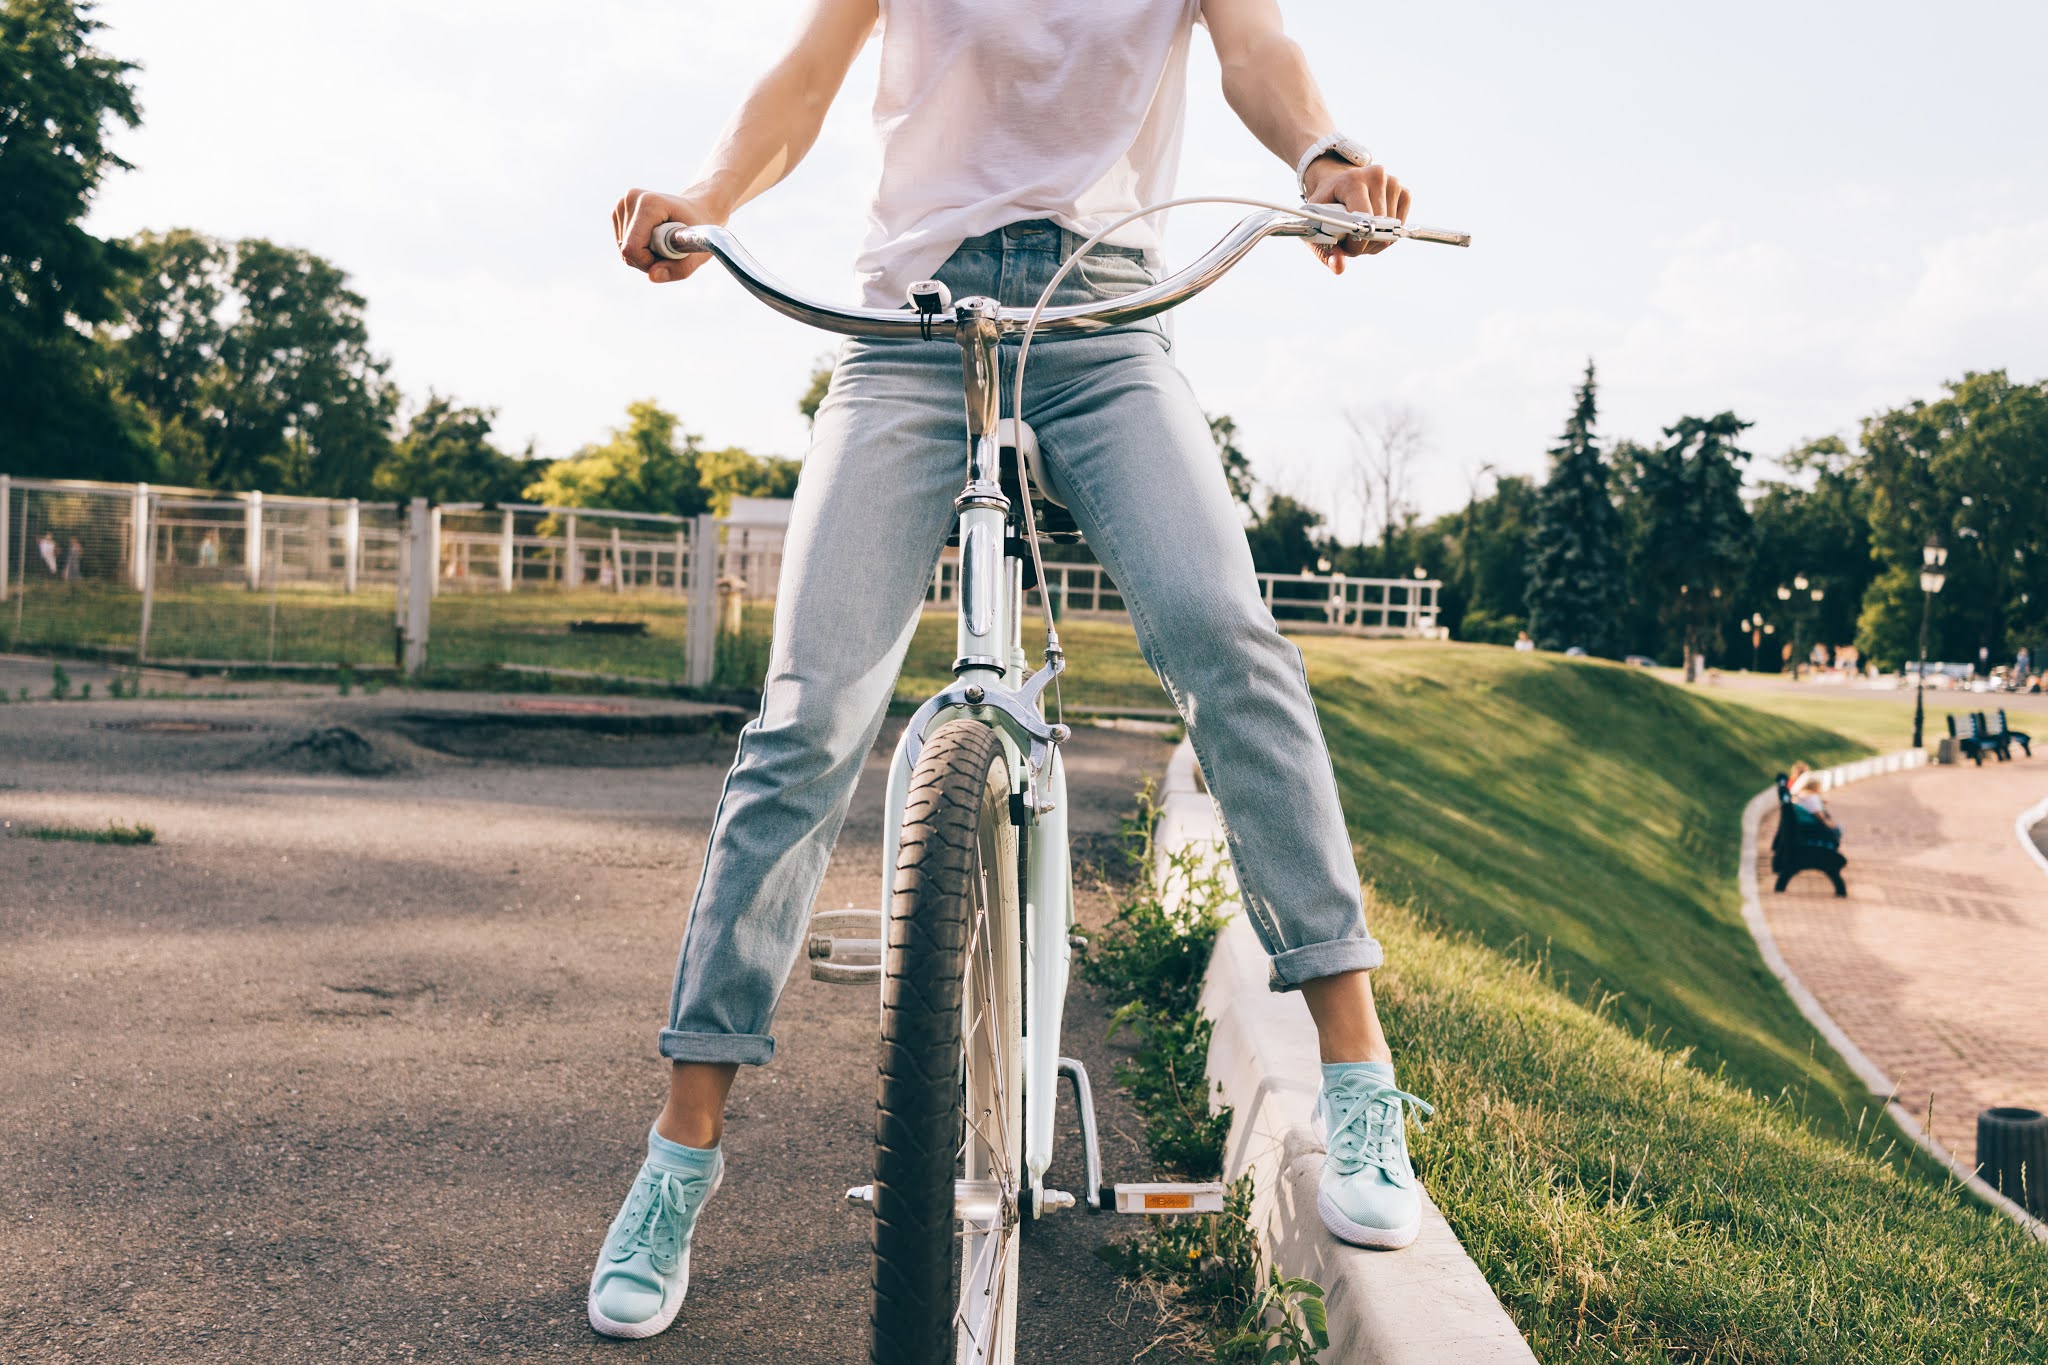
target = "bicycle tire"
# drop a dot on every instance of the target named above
(948, 1102)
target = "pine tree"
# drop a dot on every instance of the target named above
(1696, 534)
(1576, 587)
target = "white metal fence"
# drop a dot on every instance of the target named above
(187, 578)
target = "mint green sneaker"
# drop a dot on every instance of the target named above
(1368, 1194)
(643, 1271)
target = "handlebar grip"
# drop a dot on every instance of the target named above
(1445, 236)
(675, 241)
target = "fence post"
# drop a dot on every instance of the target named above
(618, 563)
(505, 552)
(148, 542)
(703, 615)
(351, 544)
(421, 570)
(252, 540)
(434, 552)
(6, 523)
(138, 542)
(682, 552)
(572, 563)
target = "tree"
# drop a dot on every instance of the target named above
(647, 465)
(60, 96)
(446, 455)
(1237, 466)
(252, 363)
(1576, 587)
(814, 395)
(1484, 548)
(1816, 525)
(733, 472)
(1694, 535)
(1972, 468)
(1283, 539)
(1386, 442)
(652, 465)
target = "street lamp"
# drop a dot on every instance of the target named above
(1932, 556)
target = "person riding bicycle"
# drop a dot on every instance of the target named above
(1010, 133)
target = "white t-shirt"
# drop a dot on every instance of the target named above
(991, 112)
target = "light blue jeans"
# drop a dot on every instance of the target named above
(1126, 439)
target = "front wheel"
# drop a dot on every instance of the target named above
(949, 1133)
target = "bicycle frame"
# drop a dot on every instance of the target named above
(992, 685)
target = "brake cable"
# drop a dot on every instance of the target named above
(1055, 657)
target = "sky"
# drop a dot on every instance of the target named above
(1801, 212)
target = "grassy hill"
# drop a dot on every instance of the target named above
(1585, 814)
(1645, 1147)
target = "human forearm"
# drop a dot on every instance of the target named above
(769, 134)
(1267, 84)
(763, 142)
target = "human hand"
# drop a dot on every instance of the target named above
(634, 219)
(1360, 189)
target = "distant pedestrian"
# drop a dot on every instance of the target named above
(1808, 835)
(74, 555)
(46, 550)
(209, 550)
(1523, 644)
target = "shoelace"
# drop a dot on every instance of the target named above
(653, 1220)
(1365, 1126)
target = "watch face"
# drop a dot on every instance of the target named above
(1351, 152)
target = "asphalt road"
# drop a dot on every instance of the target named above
(355, 1062)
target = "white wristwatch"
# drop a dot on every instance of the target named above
(1334, 144)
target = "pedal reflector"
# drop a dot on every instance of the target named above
(1169, 1198)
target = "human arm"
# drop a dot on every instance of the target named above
(767, 136)
(1267, 83)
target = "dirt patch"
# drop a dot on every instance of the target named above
(576, 740)
(329, 749)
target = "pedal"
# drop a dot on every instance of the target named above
(1170, 1198)
(978, 1203)
(845, 946)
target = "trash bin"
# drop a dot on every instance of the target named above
(2012, 1156)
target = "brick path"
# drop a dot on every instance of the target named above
(1937, 963)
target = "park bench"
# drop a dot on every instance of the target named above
(1804, 844)
(2006, 736)
(1976, 740)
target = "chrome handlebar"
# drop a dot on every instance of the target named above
(677, 240)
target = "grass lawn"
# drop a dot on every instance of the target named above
(1104, 667)
(1586, 814)
(1882, 723)
(1626, 1206)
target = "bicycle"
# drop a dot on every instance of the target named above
(975, 947)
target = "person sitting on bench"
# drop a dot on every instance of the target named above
(1809, 838)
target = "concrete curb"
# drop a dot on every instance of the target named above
(1809, 1005)
(2023, 830)
(1425, 1305)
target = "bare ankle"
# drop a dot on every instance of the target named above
(695, 1112)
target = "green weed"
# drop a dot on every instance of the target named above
(114, 833)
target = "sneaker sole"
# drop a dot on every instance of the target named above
(1359, 1235)
(633, 1331)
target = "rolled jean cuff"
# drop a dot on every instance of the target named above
(748, 1049)
(1313, 960)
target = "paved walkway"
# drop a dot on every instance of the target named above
(1935, 963)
